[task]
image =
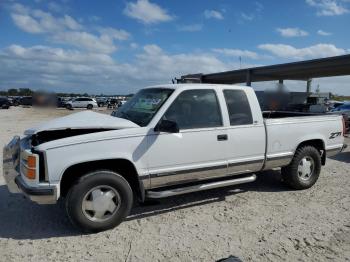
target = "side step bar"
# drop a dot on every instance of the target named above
(201, 187)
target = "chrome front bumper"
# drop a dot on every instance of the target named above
(10, 166)
(16, 184)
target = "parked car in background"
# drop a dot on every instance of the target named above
(82, 102)
(332, 104)
(122, 102)
(101, 101)
(344, 110)
(61, 102)
(14, 101)
(112, 103)
(26, 101)
(4, 103)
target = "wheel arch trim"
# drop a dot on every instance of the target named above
(142, 180)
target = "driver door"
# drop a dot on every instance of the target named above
(198, 151)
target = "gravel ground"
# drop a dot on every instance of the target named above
(261, 221)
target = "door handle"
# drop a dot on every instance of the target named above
(222, 137)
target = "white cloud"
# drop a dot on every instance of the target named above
(315, 51)
(190, 28)
(292, 32)
(37, 21)
(328, 7)
(94, 18)
(27, 23)
(147, 12)
(66, 30)
(247, 17)
(323, 33)
(45, 53)
(70, 23)
(236, 53)
(57, 69)
(68, 70)
(134, 46)
(117, 34)
(54, 7)
(213, 14)
(103, 43)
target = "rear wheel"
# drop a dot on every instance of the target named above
(305, 168)
(99, 201)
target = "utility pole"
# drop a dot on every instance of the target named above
(308, 86)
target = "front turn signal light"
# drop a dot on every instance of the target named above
(31, 173)
(31, 163)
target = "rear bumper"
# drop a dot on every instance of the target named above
(41, 194)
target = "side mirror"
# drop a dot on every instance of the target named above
(167, 126)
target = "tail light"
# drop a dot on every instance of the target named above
(345, 121)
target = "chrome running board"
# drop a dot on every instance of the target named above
(200, 187)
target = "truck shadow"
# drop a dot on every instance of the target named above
(22, 219)
(342, 157)
(266, 182)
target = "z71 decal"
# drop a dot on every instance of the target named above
(334, 135)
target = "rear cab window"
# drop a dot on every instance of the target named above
(238, 107)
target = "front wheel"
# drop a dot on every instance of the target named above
(305, 168)
(89, 107)
(99, 201)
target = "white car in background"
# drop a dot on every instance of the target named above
(82, 102)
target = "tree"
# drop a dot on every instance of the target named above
(12, 92)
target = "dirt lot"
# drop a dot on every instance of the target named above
(263, 220)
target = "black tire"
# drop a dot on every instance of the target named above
(295, 179)
(69, 107)
(89, 107)
(78, 192)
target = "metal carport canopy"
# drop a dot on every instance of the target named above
(303, 70)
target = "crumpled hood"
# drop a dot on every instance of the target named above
(82, 120)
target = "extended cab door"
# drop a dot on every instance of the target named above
(245, 130)
(198, 151)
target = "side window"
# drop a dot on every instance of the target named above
(238, 107)
(198, 108)
(78, 100)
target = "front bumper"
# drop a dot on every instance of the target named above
(41, 193)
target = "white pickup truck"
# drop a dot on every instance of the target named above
(167, 140)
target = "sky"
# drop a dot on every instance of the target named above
(120, 46)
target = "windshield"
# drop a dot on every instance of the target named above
(142, 107)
